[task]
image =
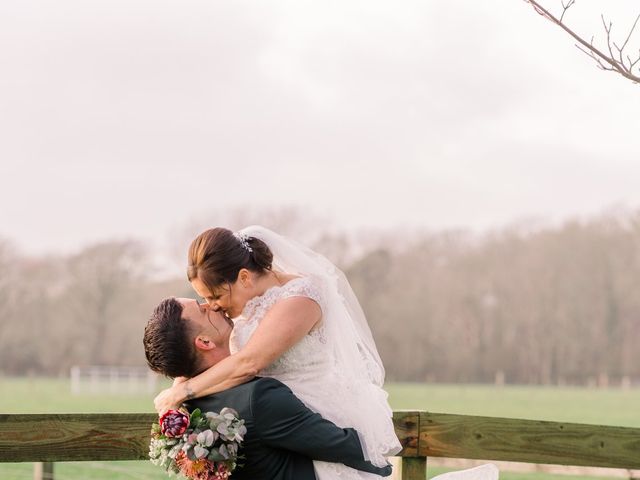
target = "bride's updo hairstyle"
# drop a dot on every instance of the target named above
(217, 255)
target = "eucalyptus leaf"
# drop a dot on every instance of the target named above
(200, 452)
(223, 451)
(205, 438)
(215, 456)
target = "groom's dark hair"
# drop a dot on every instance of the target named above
(167, 341)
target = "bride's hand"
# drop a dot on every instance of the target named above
(179, 380)
(167, 399)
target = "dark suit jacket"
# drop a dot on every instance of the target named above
(283, 435)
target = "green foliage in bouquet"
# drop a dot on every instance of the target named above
(199, 446)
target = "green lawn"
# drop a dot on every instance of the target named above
(45, 395)
(566, 404)
(609, 407)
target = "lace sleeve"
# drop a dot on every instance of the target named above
(304, 287)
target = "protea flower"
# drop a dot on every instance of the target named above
(174, 423)
(200, 469)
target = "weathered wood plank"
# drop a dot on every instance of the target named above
(414, 468)
(407, 424)
(530, 441)
(74, 437)
(77, 437)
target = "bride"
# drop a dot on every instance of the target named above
(295, 319)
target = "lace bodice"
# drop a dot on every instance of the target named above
(307, 358)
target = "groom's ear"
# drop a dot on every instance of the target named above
(203, 342)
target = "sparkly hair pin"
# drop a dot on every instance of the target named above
(243, 238)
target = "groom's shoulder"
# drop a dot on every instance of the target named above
(266, 383)
(257, 386)
(270, 398)
(257, 390)
(269, 387)
(260, 392)
(260, 385)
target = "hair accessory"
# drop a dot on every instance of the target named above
(243, 238)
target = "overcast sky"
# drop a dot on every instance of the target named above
(125, 118)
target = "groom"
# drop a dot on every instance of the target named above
(183, 338)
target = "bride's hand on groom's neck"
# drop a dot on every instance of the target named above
(167, 399)
(179, 380)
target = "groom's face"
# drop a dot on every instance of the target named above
(206, 321)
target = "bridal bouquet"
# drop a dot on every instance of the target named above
(198, 446)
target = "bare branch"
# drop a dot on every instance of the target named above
(611, 61)
(608, 30)
(630, 32)
(599, 63)
(565, 8)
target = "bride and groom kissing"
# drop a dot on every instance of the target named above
(283, 435)
(282, 339)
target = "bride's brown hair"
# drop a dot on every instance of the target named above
(217, 255)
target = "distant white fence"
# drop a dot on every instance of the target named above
(112, 380)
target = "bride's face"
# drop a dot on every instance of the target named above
(228, 298)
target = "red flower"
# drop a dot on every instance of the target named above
(174, 423)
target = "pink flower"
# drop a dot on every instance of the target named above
(222, 472)
(174, 423)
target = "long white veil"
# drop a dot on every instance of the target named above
(348, 332)
(354, 351)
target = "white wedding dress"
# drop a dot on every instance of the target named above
(307, 369)
(335, 370)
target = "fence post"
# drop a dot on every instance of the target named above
(414, 463)
(414, 468)
(43, 471)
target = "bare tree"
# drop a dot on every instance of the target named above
(103, 280)
(555, 304)
(8, 291)
(616, 57)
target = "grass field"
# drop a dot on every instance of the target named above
(606, 407)
(581, 405)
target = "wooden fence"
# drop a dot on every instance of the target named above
(49, 438)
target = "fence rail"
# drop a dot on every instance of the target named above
(77, 437)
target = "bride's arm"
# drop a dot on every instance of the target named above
(179, 380)
(286, 323)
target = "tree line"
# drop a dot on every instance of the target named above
(546, 305)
